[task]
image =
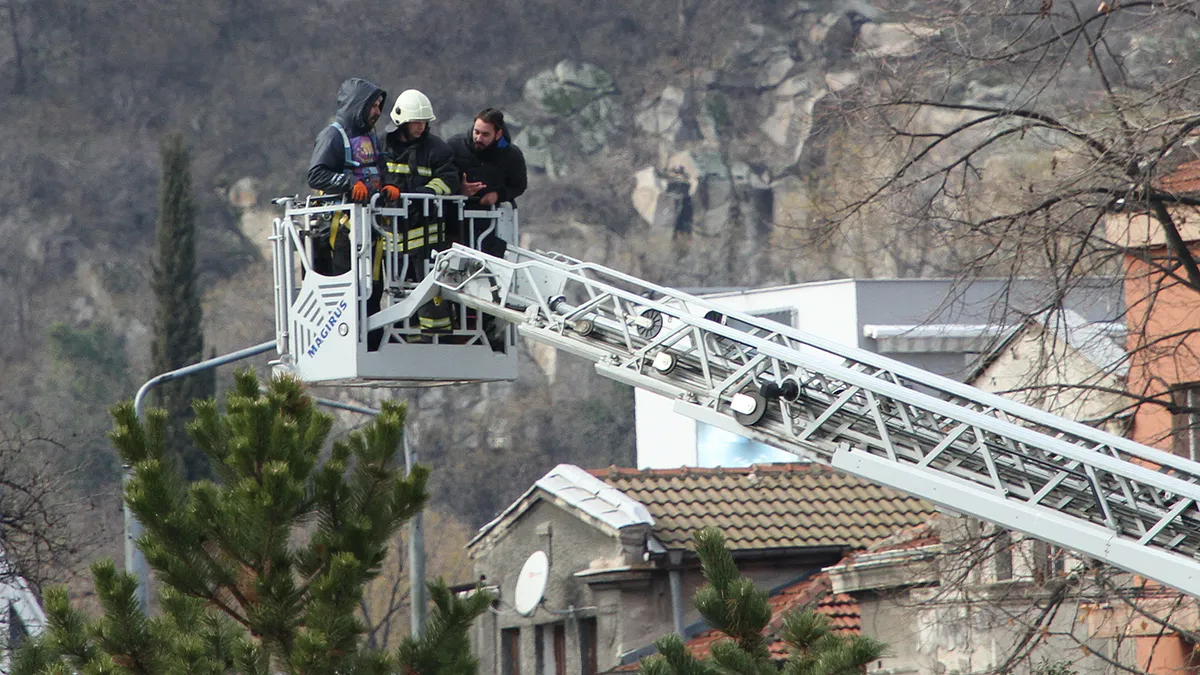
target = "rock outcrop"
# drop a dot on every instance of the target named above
(575, 111)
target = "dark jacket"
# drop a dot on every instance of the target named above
(425, 164)
(327, 170)
(502, 169)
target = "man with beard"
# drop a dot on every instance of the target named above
(492, 167)
(493, 172)
(346, 161)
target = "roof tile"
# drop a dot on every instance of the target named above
(1184, 179)
(842, 610)
(776, 505)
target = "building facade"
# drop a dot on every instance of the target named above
(621, 570)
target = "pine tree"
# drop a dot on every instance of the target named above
(731, 603)
(445, 647)
(260, 572)
(178, 333)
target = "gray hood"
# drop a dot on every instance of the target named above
(354, 100)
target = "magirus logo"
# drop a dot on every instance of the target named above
(327, 328)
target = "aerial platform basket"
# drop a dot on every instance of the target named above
(323, 322)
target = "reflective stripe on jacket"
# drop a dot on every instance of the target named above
(407, 242)
(424, 164)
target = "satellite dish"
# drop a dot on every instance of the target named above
(531, 585)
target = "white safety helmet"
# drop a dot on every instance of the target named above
(411, 106)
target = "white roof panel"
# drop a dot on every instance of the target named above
(574, 487)
(594, 497)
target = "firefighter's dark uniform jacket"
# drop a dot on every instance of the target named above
(328, 170)
(424, 164)
(500, 166)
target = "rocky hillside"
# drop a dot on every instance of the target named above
(711, 162)
(693, 142)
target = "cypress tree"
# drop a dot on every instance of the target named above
(261, 572)
(732, 604)
(178, 330)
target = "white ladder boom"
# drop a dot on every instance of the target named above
(976, 453)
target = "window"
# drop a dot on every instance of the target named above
(717, 447)
(1051, 561)
(587, 646)
(539, 650)
(1002, 555)
(786, 317)
(550, 644)
(1185, 420)
(1060, 561)
(560, 649)
(510, 651)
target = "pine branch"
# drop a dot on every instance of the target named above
(673, 658)
(36, 656)
(444, 649)
(730, 658)
(124, 631)
(730, 602)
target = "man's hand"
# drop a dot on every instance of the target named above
(359, 192)
(390, 192)
(489, 199)
(470, 189)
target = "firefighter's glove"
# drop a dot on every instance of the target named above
(359, 192)
(390, 192)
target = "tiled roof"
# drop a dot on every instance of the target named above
(917, 536)
(1185, 179)
(768, 506)
(841, 609)
(910, 540)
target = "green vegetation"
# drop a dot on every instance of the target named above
(90, 359)
(262, 571)
(733, 605)
(178, 317)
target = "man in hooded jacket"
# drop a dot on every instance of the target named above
(348, 161)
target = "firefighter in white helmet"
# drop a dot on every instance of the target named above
(418, 161)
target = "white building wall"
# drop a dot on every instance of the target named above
(667, 440)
